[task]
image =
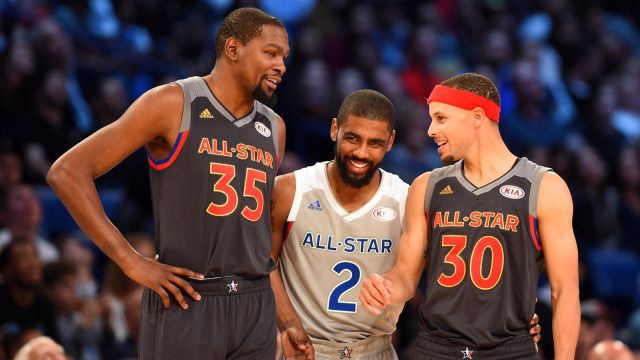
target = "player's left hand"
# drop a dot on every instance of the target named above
(296, 344)
(535, 328)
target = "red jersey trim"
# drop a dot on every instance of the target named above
(163, 164)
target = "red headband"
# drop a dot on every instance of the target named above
(465, 100)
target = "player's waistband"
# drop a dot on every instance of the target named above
(516, 347)
(229, 285)
(329, 349)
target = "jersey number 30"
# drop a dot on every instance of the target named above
(223, 186)
(334, 298)
(457, 244)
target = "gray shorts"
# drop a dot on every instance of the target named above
(224, 324)
(373, 348)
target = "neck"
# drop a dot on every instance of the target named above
(229, 91)
(487, 160)
(348, 197)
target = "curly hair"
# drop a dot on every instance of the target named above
(474, 83)
(243, 24)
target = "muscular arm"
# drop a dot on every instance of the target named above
(399, 284)
(555, 210)
(154, 118)
(295, 342)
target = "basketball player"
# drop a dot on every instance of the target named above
(213, 151)
(488, 218)
(334, 222)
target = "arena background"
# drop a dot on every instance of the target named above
(568, 72)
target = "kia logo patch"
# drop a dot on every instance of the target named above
(512, 192)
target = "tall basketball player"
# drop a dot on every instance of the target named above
(213, 151)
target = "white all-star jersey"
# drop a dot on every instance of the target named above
(328, 252)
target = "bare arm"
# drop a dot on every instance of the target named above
(154, 118)
(399, 284)
(295, 341)
(555, 210)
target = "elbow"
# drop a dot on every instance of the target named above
(57, 175)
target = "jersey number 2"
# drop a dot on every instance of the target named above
(334, 298)
(457, 244)
(228, 173)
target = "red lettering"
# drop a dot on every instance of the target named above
(205, 146)
(487, 217)
(437, 220)
(512, 223)
(242, 151)
(475, 219)
(498, 221)
(456, 220)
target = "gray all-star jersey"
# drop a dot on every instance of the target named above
(484, 255)
(211, 195)
(328, 252)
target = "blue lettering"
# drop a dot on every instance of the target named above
(373, 245)
(362, 241)
(318, 238)
(329, 244)
(386, 245)
(349, 242)
(308, 240)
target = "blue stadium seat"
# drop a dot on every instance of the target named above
(56, 218)
(614, 273)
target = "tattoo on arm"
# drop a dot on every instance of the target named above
(272, 205)
(109, 249)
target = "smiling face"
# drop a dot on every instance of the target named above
(451, 128)
(262, 62)
(361, 145)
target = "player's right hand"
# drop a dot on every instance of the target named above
(376, 293)
(296, 344)
(163, 279)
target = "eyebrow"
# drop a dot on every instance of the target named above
(360, 137)
(277, 47)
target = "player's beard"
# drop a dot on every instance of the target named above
(447, 159)
(262, 96)
(350, 179)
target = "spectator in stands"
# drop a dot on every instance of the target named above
(22, 305)
(83, 325)
(610, 350)
(23, 214)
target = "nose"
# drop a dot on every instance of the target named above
(362, 151)
(432, 129)
(280, 67)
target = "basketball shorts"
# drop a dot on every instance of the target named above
(373, 348)
(428, 347)
(234, 319)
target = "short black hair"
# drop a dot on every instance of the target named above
(474, 83)
(7, 251)
(243, 24)
(368, 104)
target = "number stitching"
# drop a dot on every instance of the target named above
(458, 243)
(334, 303)
(250, 190)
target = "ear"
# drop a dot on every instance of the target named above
(478, 116)
(334, 129)
(391, 138)
(231, 47)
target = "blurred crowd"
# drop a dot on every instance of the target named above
(568, 72)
